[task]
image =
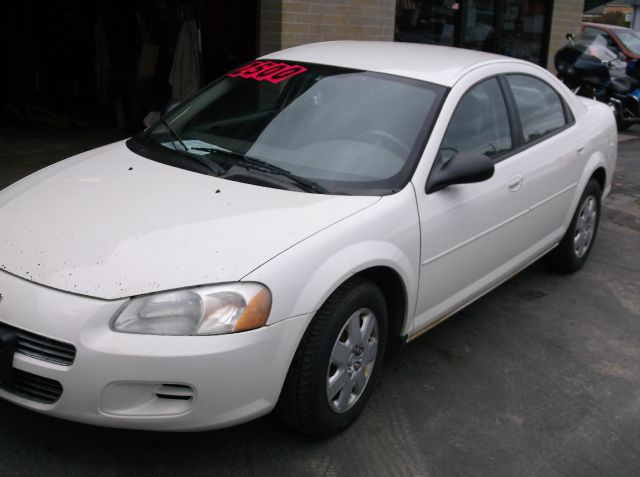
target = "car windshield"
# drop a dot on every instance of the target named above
(630, 39)
(301, 127)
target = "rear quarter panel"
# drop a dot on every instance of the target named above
(598, 125)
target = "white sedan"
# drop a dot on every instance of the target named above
(270, 240)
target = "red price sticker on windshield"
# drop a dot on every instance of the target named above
(271, 71)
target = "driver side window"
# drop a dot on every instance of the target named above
(479, 124)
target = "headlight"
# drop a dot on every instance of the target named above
(211, 310)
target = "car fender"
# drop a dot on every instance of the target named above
(303, 277)
(350, 261)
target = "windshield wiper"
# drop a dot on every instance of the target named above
(210, 164)
(173, 134)
(213, 166)
(258, 164)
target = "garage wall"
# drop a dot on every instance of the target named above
(566, 18)
(287, 23)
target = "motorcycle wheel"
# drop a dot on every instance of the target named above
(623, 124)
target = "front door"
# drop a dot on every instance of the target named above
(473, 234)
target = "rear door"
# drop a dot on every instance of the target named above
(554, 151)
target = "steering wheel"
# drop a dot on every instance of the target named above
(386, 140)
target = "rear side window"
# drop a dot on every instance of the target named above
(540, 107)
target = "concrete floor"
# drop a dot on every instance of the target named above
(540, 377)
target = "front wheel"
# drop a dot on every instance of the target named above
(337, 361)
(622, 123)
(576, 245)
(622, 120)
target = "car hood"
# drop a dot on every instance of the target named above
(110, 224)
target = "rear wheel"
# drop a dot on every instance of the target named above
(337, 362)
(575, 247)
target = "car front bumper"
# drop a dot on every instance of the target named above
(169, 383)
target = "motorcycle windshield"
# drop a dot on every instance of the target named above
(588, 56)
(593, 48)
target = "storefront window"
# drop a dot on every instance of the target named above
(523, 29)
(479, 32)
(517, 28)
(427, 21)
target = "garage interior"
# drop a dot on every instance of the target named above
(73, 64)
(78, 75)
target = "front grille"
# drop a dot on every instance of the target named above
(41, 347)
(32, 387)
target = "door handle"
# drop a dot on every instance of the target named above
(515, 183)
(582, 149)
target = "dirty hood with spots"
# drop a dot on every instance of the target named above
(110, 224)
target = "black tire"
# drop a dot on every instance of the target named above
(304, 404)
(565, 258)
(623, 124)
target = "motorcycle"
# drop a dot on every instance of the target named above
(591, 69)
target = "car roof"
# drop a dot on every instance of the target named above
(437, 64)
(604, 26)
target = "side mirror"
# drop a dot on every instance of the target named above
(570, 38)
(170, 106)
(462, 168)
